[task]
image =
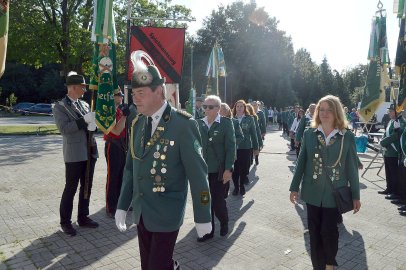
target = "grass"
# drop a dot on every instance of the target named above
(29, 130)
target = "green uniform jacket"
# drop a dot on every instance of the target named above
(262, 122)
(391, 137)
(303, 124)
(318, 192)
(284, 117)
(258, 132)
(172, 155)
(239, 136)
(250, 134)
(291, 118)
(218, 144)
(199, 113)
(403, 145)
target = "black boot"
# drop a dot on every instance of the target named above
(224, 229)
(242, 190)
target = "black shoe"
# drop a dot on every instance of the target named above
(242, 190)
(205, 237)
(383, 192)
(224, 229)
(236, 191)
(68, 229)
(402, 213)
(402, 208)
(87, 222)
(391, 197)
(400, 202)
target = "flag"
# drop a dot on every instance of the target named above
(211, 70)
(377, 77)
(104, 77)
(221, 63)
(400, 68)
(190, 108)
(3, 34)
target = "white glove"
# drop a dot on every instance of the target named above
(203, 229)
(91, 126)
(120, 217)
(90, 117)
(396, 124)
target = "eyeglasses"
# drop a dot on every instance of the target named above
(210, 107)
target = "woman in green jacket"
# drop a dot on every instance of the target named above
(242, 163)
(327, 158)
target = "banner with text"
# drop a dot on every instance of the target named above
(164, 45)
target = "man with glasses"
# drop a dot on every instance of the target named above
(165, 154)
(219, 152)
(74, 120)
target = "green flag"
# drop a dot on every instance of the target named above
(104, 78)
(3, 34)
(400, 64)
(377, 77)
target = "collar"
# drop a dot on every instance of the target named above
(308, 116)
(239, 117)
(334, 132)
(71, 99)
(217, 119)
(158, 114)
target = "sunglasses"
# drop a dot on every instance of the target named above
(210, 107)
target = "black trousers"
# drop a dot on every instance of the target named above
(323, 231)
(241, 167)
(156, 248)
(392, 175)
(218, 202)
(115, 158)
(75, 172)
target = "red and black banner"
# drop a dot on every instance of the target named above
(164, 45)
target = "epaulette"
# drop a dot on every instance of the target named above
(184, 114)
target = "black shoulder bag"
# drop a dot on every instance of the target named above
(342, 195)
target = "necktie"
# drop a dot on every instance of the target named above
(147, 131)
(79, 107)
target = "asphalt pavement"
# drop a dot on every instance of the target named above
(266, 230)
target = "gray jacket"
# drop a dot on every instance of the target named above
(74, 130)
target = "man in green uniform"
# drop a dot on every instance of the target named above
(164, 151)
(391, 144)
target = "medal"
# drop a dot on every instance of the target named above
(165, 148)
(158, 178)
(158, 189)
(172, 143)
(162, 189)
(163, 170)
(156, 155)
(163, 157)
(153, 171)
(166, 141)
(154, 189)
(314, 176)
(210, 139)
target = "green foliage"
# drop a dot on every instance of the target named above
(11, 100)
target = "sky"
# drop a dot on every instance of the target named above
(336, 29)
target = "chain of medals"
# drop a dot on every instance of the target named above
(159, 166)
(318, 160)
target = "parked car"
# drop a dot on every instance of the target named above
(22, 106)
(40, 108)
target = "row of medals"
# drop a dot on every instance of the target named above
(317, 161)
(159, 158)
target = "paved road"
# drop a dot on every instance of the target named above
(267, 231)
(26, 120)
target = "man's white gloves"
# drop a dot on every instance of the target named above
(120, 217)
(91, 126)
(396, 124)
(90, 117)
(203, 229)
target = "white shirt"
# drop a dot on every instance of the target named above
(332, 133)
(217, 119)
(295, 125)
(156, 117)
(240, 118)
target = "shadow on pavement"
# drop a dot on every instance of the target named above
(212, 251)
(62, 251)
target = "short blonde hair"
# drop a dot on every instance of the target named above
(227, 108)
(334, 103)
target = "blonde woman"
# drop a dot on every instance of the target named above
(327, 158)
